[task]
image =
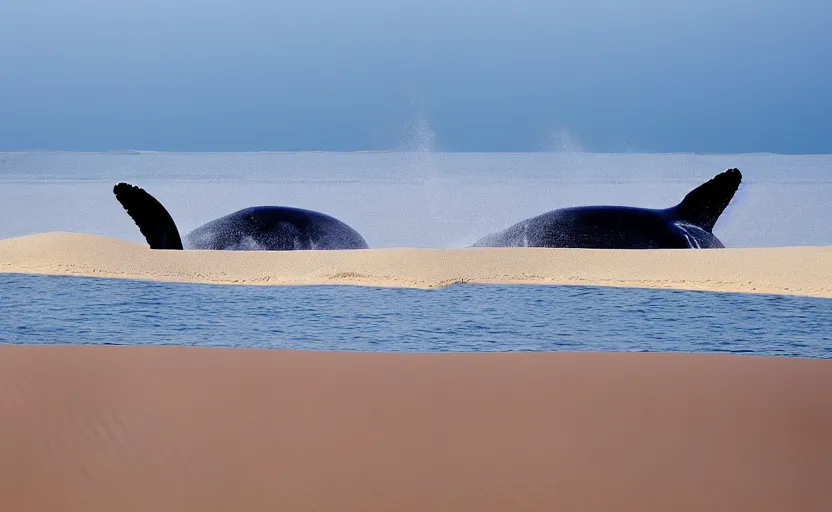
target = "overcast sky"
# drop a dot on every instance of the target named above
(453, 75)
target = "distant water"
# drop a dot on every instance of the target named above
(415, 199)
(462, 318)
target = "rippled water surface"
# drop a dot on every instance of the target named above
(78, 310)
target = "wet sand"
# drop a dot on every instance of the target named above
(783, 270)
(187, 429)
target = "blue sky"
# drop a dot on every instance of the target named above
(222, 75)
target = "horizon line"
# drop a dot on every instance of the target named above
(381, 151)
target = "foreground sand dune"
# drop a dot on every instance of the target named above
(182, 429)
(788, 270)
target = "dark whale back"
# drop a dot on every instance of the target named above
(275, 228)
(686, 225)
(267, 228)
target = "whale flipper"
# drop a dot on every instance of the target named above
(153, 219)
(704, 204)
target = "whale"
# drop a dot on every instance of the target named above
(688, 225)
(258, 228)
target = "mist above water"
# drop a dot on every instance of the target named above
(564, 141)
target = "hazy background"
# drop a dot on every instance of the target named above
(462, 75)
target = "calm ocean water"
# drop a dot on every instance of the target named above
(79, 310)
(416, 199)
(411, 199)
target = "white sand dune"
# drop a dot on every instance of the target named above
(782, 270)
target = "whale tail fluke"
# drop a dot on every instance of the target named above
(704, 204)
(150, 216)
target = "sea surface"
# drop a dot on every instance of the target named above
(460, 318)
(413, 199)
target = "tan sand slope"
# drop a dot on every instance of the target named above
(91, 429)
(790, 270)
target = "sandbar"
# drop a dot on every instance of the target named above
(803, 271)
